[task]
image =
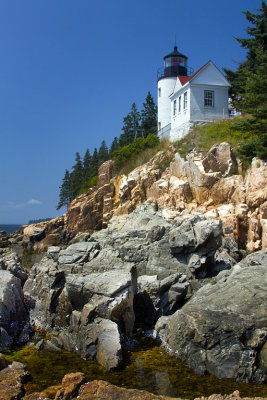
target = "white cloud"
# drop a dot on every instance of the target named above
(11, 204)
(33, 201)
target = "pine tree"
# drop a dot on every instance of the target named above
(131, 127)
(114, 145)
(87, 160)
(256, 45)
(76, 176)
(64, 194)
(149, 116)
(249, 84)
(94, 163)
(102, 153)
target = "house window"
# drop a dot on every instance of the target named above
(185, 100)
(179, 104)
(174, 107)
(208, 98)
(159, 92)
(159, 126)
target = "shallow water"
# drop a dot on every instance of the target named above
(9, 228)
(148, 369)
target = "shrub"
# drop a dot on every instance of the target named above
(123, 154)
(88, 184)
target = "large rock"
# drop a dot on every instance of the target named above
(100, 390)
(229, 190)
(13, 314)
(78, 253)
(71, 384)
(220, 158)
(222, 329)
(11, 262)
(109, 353)
(82, 305)
(256, 183)
(157, 297)
(12, 380)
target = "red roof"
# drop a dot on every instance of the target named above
(185, 79)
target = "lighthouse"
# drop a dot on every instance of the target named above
(186, 99)
(175, 64)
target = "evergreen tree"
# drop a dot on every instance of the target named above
(242, 80)
(87, 160)
(131, 127)
(64, 194)
(76, 177)
(249, 84)
(102, 153)
(114, 145)
(149, 116)
(94, 163)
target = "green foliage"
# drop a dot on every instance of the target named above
(94, 163)
(114, 145)
(65, 193)
(87, 160)
(149, 116)
(88, 184)
(202, 137)
(249, 85)
(76, 177)
(103, 153)
(131, 127)
(123, 154)
(84, 172)
(137, 124)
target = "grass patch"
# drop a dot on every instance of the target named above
(203, 137)
(143, 157)
(88, 184)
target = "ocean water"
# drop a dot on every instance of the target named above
(9, 228)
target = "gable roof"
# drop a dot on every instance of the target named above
(185, 79)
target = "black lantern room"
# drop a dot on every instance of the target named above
(175, 64)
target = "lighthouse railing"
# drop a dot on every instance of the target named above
(164, 132)
(162, 72)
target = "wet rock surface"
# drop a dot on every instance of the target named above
(12, 379)
(74, 386)
(222, 328)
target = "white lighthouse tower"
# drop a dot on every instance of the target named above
(175, 64)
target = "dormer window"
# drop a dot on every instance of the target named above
(208, 98)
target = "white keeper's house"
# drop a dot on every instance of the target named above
(185, 100)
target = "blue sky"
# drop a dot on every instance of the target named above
(70, 70)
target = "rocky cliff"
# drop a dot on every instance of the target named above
(166, 245)
(205, 184)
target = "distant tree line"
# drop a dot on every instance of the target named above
(37, 221)
(137, 127)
